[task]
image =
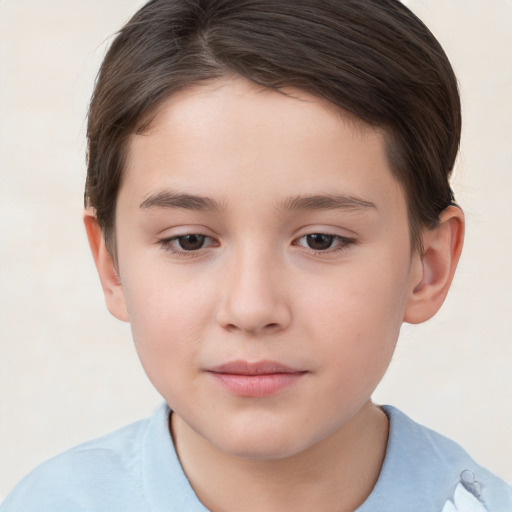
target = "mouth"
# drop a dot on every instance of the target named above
(259, 379)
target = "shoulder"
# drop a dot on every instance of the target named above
(133, 469)
(436, 471)
(91, 476)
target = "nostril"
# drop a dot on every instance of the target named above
(253, 313)
(274, 326)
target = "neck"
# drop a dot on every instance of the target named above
(336, 474)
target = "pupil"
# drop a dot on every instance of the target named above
(319, 241)
(191, 242)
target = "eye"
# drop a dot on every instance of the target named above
(188, 243)
(191, 242)
(319, 241)
(323, 242)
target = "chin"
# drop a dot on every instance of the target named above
(261, 451)
(263, 443)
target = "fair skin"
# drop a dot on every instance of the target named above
(258, 233)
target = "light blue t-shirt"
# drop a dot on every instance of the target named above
(137, 469)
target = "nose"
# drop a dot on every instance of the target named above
(253, 295)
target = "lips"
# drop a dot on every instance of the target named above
(259, 379)
(257, 368)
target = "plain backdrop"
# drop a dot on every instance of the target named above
(68, 371)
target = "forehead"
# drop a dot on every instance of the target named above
(232, 135)
(235, 90)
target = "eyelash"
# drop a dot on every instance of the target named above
(167, 244)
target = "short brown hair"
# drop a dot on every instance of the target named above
(373, 58)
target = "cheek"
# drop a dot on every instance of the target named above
(168, 318)
(355, 316)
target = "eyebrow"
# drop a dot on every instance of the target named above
(185, 201)
(172, 200)
(327, 202)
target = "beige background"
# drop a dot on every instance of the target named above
(68, 371)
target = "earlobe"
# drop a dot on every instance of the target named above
(442, 247)
(106, 267)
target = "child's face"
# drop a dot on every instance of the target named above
(217, 267)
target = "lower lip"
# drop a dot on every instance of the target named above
(256, 385)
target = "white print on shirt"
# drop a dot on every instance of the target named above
(466, 495)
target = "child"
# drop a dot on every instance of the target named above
(267, 201)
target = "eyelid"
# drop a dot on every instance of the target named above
(173, 231)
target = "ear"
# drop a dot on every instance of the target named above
(442, 246)
(106, 267)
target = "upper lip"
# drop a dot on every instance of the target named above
(253, 368)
